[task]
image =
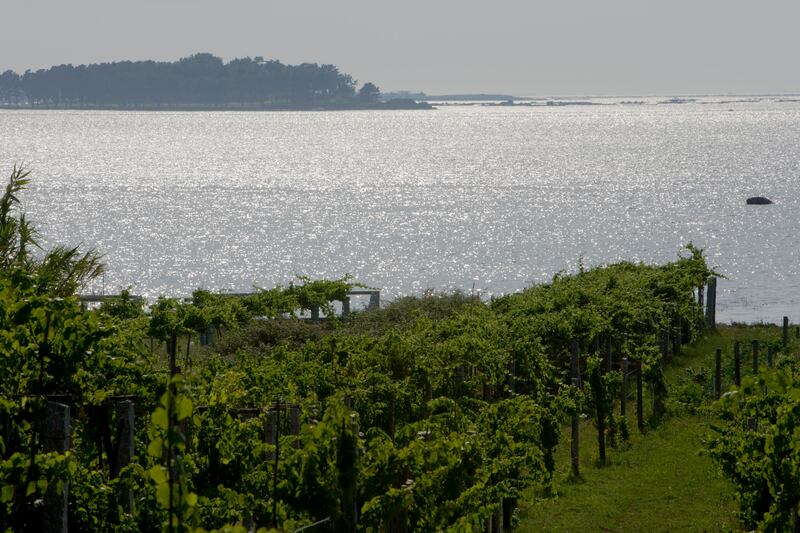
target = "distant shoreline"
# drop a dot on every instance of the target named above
(391, 105)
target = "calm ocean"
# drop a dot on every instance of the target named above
(494, 198)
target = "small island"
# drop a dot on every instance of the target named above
(198, 82)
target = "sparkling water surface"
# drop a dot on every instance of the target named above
(489, 199)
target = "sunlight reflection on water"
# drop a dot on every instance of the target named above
(404, 201)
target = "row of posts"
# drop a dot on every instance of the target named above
(502, 516)
(669, 346)
(57, 434)
(57, 437)
(755, 352)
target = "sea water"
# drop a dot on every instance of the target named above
(487, 199)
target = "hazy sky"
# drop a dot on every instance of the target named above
(546, 47)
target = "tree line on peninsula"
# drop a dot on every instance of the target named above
(200, 80)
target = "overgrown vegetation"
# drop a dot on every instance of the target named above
(435, 413)
(757, 444)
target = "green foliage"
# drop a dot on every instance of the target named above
(17, 236)
(47, 346)
(424, 415)
(167, 318)
(232, 311)
(50, 347)
(603, 390)
(320, 292)
(758, 447)
(168, 443)
(62, 270)
(126, 307)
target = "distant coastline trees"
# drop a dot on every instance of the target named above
(369, 91)
(198, 80)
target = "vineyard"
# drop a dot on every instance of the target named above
(433, 413)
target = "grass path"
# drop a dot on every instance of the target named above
(660, 481)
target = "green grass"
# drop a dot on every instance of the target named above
(659, 480)
(659, 483)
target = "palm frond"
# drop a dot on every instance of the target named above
(62, 270)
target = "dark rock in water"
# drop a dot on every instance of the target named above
(758, 200)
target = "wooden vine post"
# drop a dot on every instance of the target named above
(785, 332)
(271, 432)
(124, 446)
(575, 443)
(601, 430)
(172, 348)
(294, 423)
(347, 458)
(511, 376)
(460, 377)
(277, 412)
(754, 348)
(576, 382)
(495, 524)
(599, 392)
(639, 398)
(711, 303)
(272, 435)
(56, 438)
(623, 396)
